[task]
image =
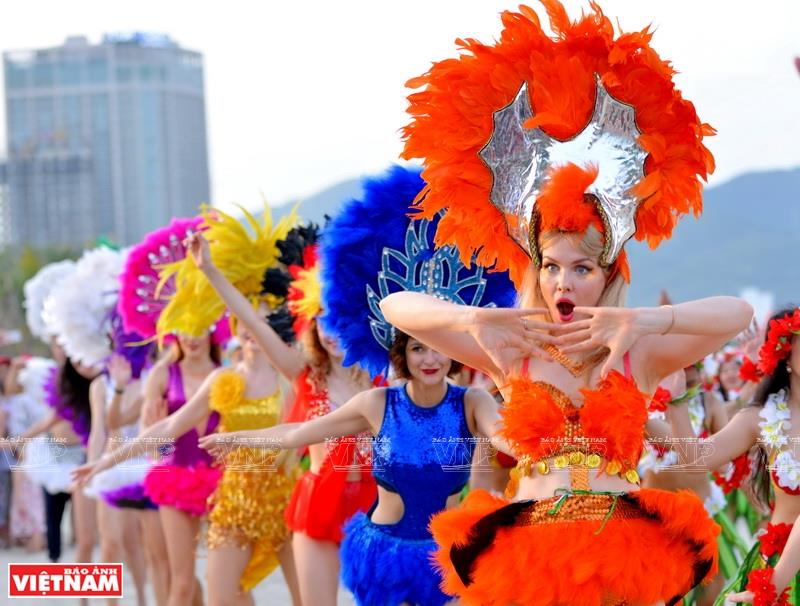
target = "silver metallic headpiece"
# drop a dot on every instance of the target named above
(520, 160)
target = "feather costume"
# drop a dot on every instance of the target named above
(565, 132)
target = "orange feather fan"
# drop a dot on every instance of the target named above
(452, 120)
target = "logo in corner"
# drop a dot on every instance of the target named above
(65, 580)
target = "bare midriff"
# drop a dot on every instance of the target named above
(544, 486)
(62, 432)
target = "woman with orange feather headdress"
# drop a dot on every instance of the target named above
(547, 153)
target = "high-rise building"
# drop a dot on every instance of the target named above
(103, 140)
(4, 218)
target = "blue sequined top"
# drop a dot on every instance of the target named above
(423, 454)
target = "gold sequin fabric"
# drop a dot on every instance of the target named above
(248, 505)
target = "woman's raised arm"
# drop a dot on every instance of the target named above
(285, 359)
(489, 339)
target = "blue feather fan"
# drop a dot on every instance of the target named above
(372, 248)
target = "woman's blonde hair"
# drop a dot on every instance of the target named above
(591, 244)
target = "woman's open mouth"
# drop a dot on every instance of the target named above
(566, 310)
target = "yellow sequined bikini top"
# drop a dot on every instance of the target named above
(238, 412)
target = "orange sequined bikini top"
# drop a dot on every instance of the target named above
(607, 433)
(237, 412)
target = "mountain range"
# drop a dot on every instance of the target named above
(747, 237)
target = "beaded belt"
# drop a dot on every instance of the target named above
(571, 505)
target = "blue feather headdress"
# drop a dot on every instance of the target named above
(372, 248)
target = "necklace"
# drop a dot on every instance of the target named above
(576, 370)
(774, 429)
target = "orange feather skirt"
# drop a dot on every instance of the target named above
(636, 549)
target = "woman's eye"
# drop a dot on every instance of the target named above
(582, 270)
(551, 268)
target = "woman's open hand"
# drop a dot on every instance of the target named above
(743, 597)
(198, 249)
(87, 471)
(508, 334)
(219, 444)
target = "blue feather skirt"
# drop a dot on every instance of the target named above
(382, 569)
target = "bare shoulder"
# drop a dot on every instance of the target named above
(476, 396)
(372, 398)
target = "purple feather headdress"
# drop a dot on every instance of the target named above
(129, 345)
(81, 423)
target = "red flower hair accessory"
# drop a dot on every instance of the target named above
(749, 372)
(776, 347)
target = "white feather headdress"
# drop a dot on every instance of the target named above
(77, 309)
(36, 290)
(33, 375)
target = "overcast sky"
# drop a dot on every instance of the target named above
(302, 94)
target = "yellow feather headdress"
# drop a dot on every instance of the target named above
(242, 256)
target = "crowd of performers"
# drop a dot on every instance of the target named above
(438, 396)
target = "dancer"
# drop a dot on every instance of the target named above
(529, 187)
(118, 519)
(50, 460)
(707, 416)
(424, 430)
(766, 426)
(660, 469)
(247, 536)
(141, 301)
(75, 313)
(35, 416)
(324, 497)
(24, 388)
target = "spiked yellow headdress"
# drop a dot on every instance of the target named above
(241, 255)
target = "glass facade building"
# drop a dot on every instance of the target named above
(103, 140)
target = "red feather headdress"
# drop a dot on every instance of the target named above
(305, 291)
(559, 79)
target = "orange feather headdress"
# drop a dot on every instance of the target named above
(539, 132)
